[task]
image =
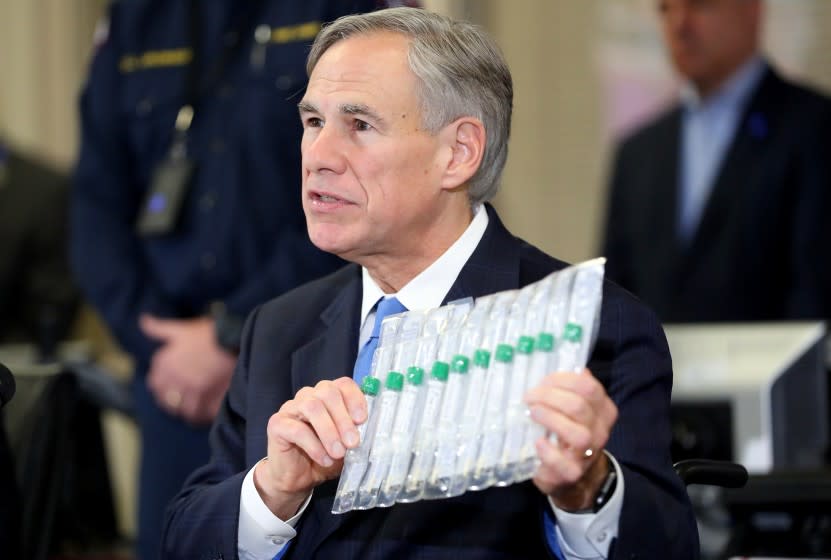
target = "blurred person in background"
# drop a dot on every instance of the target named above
(718, 209)
(38, 298)
(186, 205)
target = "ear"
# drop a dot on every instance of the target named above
(465, 138)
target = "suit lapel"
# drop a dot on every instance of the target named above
(334, 347)
(663, 231)
(493, 266)
(741, 169)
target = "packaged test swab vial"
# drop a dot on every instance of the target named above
(380, 454)
(357, 458)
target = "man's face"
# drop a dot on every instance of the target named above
(371, 173)
(709, 39)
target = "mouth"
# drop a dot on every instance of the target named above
(326, 200)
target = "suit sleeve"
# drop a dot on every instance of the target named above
(105, 253)
(632, 359)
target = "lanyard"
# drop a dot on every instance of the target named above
(195, 86)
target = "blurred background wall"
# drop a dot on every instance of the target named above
(584, 72)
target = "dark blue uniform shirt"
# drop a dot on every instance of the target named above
(242, 236)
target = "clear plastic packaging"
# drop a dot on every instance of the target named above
(488, 408)
(356, 460)
(465, 426)
(440, 394)
(516, 412)
(474, 339)
(580, 333)
(544, 359)
(446, 448)
(419, 354)
(380, 453)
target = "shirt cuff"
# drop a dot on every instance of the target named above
(261, 533)
(589, 535)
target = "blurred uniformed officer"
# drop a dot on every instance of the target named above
(186, 208)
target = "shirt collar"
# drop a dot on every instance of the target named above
(734, 92)
(429, 288)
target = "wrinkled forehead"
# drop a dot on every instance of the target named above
(387, 46)
(371, 66)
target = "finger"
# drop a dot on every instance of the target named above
(353, 398)
(154, 327)
(192, 410)
(569, 432)
(558, 466)
(301, 435)
(573, 405)
(583, 383)
(342, 398)
(323, 408)
(153, 379)
(200, 409)
(160, 376)
(609, 412)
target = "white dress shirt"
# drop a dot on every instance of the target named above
(262, 535)
(708, 128)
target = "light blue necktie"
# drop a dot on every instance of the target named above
(385, 307)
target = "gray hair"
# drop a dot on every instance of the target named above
(461, 73)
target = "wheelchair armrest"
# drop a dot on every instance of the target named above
(713, 473)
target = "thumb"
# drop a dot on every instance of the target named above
(154, 327)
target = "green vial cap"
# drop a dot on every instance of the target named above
(573, 332)
(370, 385)
(545, 342)
(482, 358)
(460, 363)
(505, 353)
(395, 381)
(525, 345)
(415, 375)
(440, 371)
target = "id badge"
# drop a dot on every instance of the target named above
(162, 207)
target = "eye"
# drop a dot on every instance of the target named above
(313, 122)
(361, 126)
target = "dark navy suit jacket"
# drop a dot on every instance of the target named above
(762, 250)
(311, 334)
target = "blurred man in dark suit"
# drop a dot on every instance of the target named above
(719, 209)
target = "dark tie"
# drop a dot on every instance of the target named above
(385, 307)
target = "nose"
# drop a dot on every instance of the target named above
(322, 150)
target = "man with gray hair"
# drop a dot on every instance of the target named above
(406, 122)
